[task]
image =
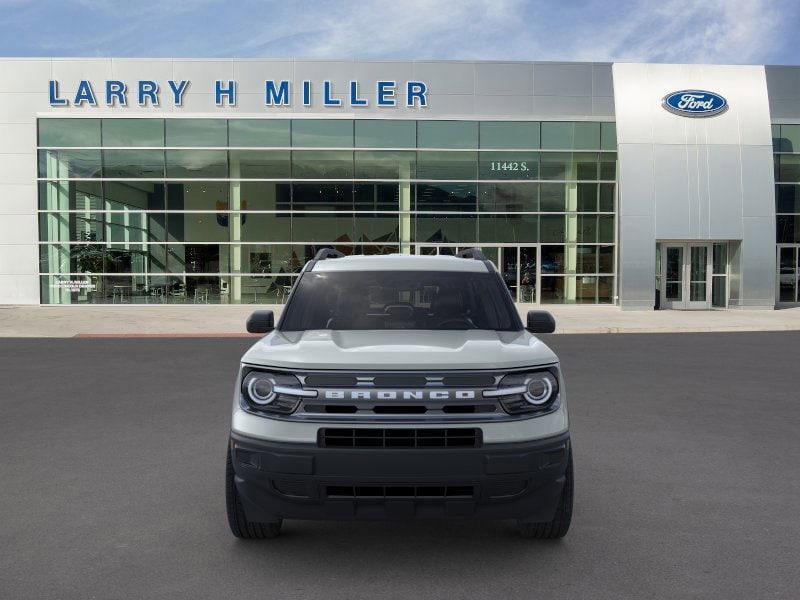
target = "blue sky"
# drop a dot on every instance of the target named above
(713, 31)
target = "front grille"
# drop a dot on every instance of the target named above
(399, 438)
(399, 491)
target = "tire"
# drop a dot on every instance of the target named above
(240, 526)
(558, 527)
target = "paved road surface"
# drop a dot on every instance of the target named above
(687, 461)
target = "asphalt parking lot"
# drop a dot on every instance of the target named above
(687, 463)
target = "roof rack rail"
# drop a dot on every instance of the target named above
(325, 253)
(474, 253)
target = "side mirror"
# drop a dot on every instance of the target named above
(540, 321)
(261, 321)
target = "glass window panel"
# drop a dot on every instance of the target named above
(197, 258)
(508, 197)
(197, 133)
(322, 164)
(147, 164)
(558, 135)
(263, 289)
(790, 138)
(322, 133)
(587, 197)
(70, 195)
(587, 136)
(447, 134)
(720, 259)
(263, 195)
(446, 228)
(586, 259)
(322, 196)
(608, 166)
(553, 228)
(65, 133)
(133, 195)
(198, 195)
(509, 134)
(266, 227)
(787, 198)
(382, 133)
(585, 289)
(322, 227)
(553, 197)
(197, 163)
(552, 290)
(377, 249)
(381, 196)
(76, 227)
(553, 259)
(787, 288)
(377, 227)
(134, 226)
(260, 164)
(776, 138)
(789, 170)
(197, 289)
(259, 133)
(509, 165)
(133, 132)
(272, 258)
(508, 228)
(556, 165)
(71, 258)
(587, 229)
(198, 227)
(63, 164)
(605, 228)
(608, 136)
(606, 197)
(788, 229)
(787, 263)
(447, 165)
(461, 197)
(605, 290)
(385, 165)
(585, 165)
(605, 261)
(135, 258)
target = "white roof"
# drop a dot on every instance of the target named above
(401, 262)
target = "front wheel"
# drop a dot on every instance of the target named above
(559, 525)
(240, 526)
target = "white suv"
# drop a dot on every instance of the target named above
(399, 387)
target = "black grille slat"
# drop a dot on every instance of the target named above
(399, 438)
(424, 492)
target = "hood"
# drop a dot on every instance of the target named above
(402, 350)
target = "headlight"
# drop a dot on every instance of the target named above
(264, 391)
(526, 392)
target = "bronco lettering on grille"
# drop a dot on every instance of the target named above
(399, 394)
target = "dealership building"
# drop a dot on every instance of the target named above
(167, 181)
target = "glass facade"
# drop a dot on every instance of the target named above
(786, 148)
(228, 210)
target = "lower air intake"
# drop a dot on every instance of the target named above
(399, 438)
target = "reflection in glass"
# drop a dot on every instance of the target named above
(212, 164)
(508, 197)
(446, 228)
(132, 164)
(447, 134)
(127, 133)
(260, 164)
(65, 133)
(322, 164)
(447, 165)
(385, 164)
(259, 133)
(322, 133)
(383, 133)
(508, 228)
(460, 197)
(63, 164)
(509, 134)
(199, 133)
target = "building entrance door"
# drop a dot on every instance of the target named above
(686, 275)
(518, 266)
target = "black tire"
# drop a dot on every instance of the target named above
(559, 526)
(240, 526)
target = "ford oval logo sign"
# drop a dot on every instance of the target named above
(695, 103)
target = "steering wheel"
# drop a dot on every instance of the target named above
(467, 322)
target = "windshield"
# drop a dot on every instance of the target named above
(432, 300)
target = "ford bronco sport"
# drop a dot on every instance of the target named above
(398, 387)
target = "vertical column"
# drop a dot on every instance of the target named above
(405, 208)
(571, 232)
(235, 231)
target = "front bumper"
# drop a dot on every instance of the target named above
(520, 480)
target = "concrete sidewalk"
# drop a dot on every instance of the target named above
(229, 320)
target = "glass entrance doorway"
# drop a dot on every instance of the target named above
(518, 265)
(686, 272)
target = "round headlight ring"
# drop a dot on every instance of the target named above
(261, 390)
(538, 390)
